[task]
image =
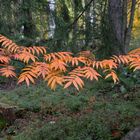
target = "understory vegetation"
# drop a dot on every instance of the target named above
(97, 112)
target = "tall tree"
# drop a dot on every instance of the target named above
(121, 23)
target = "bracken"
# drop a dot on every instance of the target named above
(60, 68)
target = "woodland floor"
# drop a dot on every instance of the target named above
(101, 111)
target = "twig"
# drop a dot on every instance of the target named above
(77, 18)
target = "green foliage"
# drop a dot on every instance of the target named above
(93, 113)
(128, 80)
(70, 129)
(3, 123)
(98, 125)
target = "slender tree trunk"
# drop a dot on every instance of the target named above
(124, 26)
(87, 24)
(138, 10)
(75, 29)
(130, 26)
(115, 9)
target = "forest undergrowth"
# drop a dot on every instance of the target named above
(100, 111)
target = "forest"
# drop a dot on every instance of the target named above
(69, 69)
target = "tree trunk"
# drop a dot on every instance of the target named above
(130, 26)
(75, 28)
(120, 27)
(115, 10)
(87, 24)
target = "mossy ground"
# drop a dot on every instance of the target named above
(100, 112)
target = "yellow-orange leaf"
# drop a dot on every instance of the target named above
(28, 75)
(54, 79)
(75, 80)
(4, 59)
(26, 56)
(8, 71)
(90, 73)
(57, 64)
(112, 74)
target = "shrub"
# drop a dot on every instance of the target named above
(60, 68)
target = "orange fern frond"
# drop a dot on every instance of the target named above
(8, 44)
(42, 69)
(77, 72)
(95, 64)
(54, 78)
(107, 64)
(74, 78)
(135, 51)
(112, 73)
(59, 55)
(124, 59)
(75, 60)
(135, 64)
(7, 71)
(26, 56)
(90, 73)
(28, 75)
(58, 64)
(4, 59)
(36, 49)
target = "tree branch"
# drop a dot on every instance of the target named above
(77, 18)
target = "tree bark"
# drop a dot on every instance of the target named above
(115, 9)
(130, 26)
(120, 26)
(87, 25)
